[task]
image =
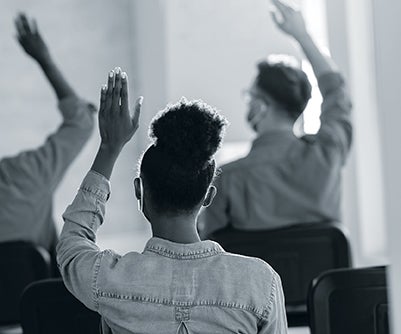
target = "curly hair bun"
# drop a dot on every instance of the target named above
(188, 132)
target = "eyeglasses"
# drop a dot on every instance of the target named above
(254, 96)
(250, 96)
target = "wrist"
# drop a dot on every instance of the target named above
(110, 149)
(302, 37)
(105, 159)
(45, 61)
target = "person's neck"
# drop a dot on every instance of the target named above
(176, 228)
(276, 125)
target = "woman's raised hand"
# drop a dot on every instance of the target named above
(116, 124)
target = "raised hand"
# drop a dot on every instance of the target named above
(291, 22)
(116, 124)
(30, 38)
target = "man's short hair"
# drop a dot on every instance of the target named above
(285, 82)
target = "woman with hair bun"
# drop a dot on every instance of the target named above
(178, 284)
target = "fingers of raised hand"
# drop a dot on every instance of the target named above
(102, 110)
(124, 93)
(102, 99)
(277, 18)
(34, 27)
(25, 23)
(109, 90)
(280, 5)
(25, 28)
(20, 27)
(116, 95)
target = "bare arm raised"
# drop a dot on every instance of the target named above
(32, 42)
(292, 23)
(42, 168)
(335, 134)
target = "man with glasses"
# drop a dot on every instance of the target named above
(286, 180)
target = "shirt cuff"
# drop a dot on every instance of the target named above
(330, 81)
(72, 106)
(96, 184)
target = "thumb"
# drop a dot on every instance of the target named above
(34, 27)
(277, 18)
(137, 111)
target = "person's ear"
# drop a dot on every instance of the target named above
(211, 192)
(137, 188)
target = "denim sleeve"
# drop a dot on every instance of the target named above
(335, 135)
(78, 257)
(215, 217)
(43, 167)
(276, 322)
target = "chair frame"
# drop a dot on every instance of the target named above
(323, 287)
(230, 239)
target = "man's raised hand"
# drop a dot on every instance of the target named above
(291, 22)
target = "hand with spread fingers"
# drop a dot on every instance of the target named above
(291, 21)
(30, 38)
(116, 124)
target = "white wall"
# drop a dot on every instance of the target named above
(212, 51)
(87, 39)
(364, 35)
(351, 39)
(387, 34)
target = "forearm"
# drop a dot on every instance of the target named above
(105, 160)
(56, 78)
(320, 63)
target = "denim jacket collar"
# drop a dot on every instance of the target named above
(175, 250)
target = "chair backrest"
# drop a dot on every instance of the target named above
(21, 263)
(47, 307)
(346, 301)
(298, 253)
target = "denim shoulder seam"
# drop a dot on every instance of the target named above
(167, 302)
(271, 298)
(95, 288)
(190, 256)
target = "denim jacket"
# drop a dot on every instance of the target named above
(169, 287)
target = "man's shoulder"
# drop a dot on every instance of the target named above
(236, 166)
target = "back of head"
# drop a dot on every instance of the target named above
(287, 84)
(179, 166)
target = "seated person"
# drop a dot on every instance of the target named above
(286, 180)
(29, 179)
(179, 284)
